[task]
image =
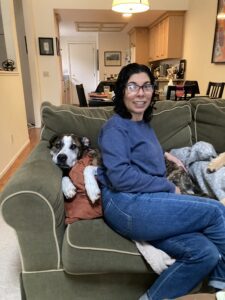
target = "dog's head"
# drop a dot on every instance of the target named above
(67, 149)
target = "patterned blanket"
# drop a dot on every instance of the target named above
(196, 160)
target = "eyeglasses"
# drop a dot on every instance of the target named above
(132, 87)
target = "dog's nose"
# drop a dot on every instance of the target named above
(61, 158)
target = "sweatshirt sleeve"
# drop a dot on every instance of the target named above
(123, 176)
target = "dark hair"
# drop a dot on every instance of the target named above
(123, 77)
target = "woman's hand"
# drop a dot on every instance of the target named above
(177, 190)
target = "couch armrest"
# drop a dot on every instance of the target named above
(32, 203)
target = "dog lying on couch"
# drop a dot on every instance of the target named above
(66, 150)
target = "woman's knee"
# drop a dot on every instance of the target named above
(209, 254)
(191, 248)
(203, 253)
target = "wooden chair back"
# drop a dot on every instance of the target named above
(181, 92)
(215, 90)
(81, 95)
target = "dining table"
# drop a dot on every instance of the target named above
(100, 99)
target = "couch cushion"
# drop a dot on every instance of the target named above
(209, 121)
(90, 246)
(171, 121)
(88, 121)
(73, 119)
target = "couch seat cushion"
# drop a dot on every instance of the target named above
(90, 246)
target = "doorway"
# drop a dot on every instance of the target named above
(82, 67)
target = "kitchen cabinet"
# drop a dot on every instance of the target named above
(166, 37)
(139, 44)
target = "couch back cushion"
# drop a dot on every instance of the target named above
(73, 119)
(172, 124)
(171, 121)
(209, 121)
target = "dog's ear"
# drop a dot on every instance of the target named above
(52, 140)
(85, 142)
(85, 145)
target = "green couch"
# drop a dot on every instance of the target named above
(87, 260)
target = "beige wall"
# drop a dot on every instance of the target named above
(112, 42)
(39, 21)
(198, 44)
(13, 127)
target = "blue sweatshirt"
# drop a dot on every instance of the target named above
(133, 159)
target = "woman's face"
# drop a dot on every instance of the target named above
(138, 95)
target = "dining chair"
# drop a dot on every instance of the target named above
(193, 82)
(215, 90)
(81, 95)
(180, 92)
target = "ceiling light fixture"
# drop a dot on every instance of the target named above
(130, 6)
(127, 15)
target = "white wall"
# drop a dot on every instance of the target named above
(198, 44)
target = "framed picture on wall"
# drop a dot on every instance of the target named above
(46, 46)
(218, 55)
(112, 58)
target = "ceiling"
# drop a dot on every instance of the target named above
(101, 20)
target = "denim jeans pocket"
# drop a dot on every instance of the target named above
(117, 219)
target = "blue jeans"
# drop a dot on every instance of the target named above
(190, 229)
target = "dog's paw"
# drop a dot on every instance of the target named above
(68, 188)
(216, 163)
(211, 167)
(91, 185)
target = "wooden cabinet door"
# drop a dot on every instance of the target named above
(166, 38)
(151, 44)
(154, 43)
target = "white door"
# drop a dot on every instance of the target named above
(83, 68)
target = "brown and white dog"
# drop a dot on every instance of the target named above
(65, 150)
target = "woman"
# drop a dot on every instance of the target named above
(142, 205)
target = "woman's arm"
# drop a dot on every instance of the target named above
(124, 176)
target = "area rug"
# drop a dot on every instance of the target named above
(10, 266)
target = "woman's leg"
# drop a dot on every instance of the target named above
(195, 256)
(160, 216)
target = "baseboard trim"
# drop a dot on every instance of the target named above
(14, 158)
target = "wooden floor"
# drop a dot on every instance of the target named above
(34, 134)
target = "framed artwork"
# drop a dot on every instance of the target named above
(182, 69)
(218, 54)
(46, 46)
(112, 58)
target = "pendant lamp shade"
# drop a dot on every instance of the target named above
(130, 6)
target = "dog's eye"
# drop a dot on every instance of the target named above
(73, 147)
(58, 145)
